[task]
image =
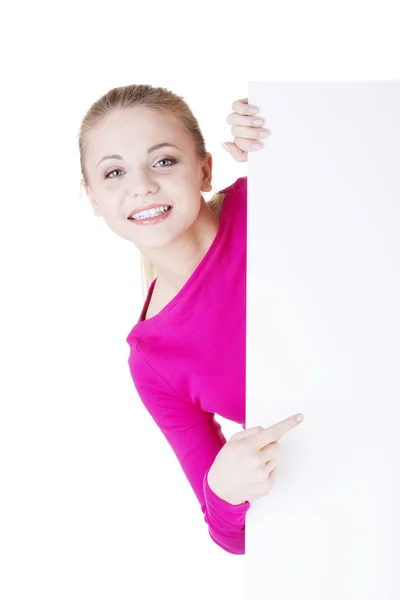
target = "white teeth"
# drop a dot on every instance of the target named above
(153, 212)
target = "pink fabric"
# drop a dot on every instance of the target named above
(188, 363)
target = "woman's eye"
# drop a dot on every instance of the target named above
(113, 171)
(172, 161)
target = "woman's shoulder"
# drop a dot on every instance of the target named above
(237, 189)
(216, 202)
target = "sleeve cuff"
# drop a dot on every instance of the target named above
(215, 504)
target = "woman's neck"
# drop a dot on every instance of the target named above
(174, 265)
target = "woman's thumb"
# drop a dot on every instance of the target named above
(234, 151)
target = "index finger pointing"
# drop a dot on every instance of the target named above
(275, 432)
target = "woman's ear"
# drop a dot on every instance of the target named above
(207, 174)
(206, 186)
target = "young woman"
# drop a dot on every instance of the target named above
(144, 167)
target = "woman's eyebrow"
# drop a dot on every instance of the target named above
(149, 151)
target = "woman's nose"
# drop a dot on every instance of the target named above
(142, 184)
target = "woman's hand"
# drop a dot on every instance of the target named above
(246, 129)
(245, 467)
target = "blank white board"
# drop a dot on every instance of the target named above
(323, 338)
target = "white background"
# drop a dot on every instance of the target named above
(92, 503)
(323, 335)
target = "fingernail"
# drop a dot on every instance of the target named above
(252, 110)
(226, 148)
(256, 146)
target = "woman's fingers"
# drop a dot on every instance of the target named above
(270, 452)
(241, 147)
(247, 145)
(275, 432)
(244, 121)
(272, 477)
(237, 153)
(243, 107)
(246, 129)
(250, 132)
(269, 467)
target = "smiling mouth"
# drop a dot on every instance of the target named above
(150, 213)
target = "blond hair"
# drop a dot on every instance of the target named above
(160, 100)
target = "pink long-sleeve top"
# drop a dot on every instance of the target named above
(188, 364)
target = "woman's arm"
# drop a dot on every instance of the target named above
(196, 438)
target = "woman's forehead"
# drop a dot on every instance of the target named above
(137, 124)
(139, 119)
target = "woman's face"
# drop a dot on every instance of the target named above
(142, 175)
